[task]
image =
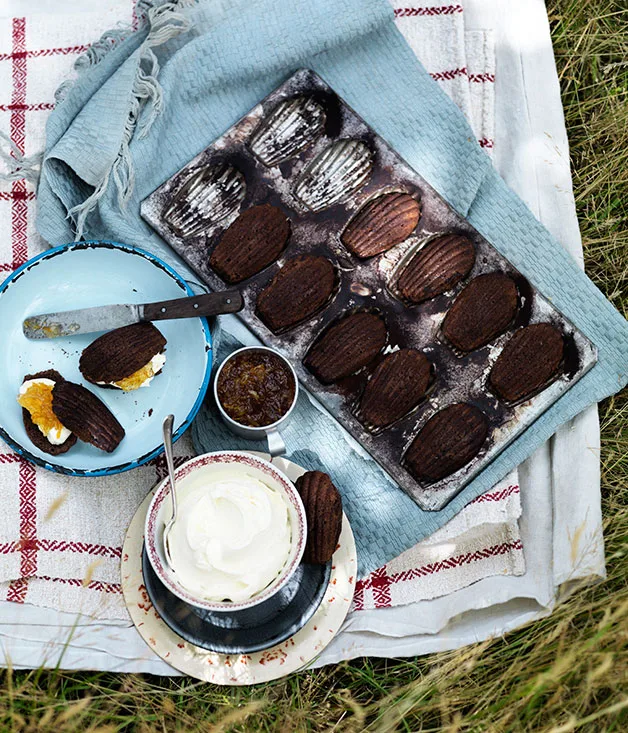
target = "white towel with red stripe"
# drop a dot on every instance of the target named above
(57, 558)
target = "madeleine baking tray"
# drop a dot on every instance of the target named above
(304, 151)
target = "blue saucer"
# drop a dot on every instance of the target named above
(242, 632)
(88, 274)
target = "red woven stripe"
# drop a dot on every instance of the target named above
(28, 520)
(27, 490)
(13, 195)
(461, 71)
(497, 495)
(449, 74)
(63, 51)
(10, 458)
(19, 211)
(481, 78)
(413, 12)
(18, 127)
(92, 585)
(18, 78)
(380, 582)
(15, 107)
(87, 548)
(455, 562)
(17, 590)
(6, 548)
(84, 548)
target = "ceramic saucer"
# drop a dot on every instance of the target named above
(294, 653)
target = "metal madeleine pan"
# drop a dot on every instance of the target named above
(320, 177)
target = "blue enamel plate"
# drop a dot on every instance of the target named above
(87, 274)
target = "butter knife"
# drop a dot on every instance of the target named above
(108, 317)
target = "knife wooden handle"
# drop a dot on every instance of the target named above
(211, 304)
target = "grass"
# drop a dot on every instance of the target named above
(564, 673)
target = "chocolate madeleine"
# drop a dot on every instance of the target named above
(437, 267)
(483, 310)
(347, 346)
(118, 354)
(397, 386)
(381, 224)
(84, 414)
(528, 362)
(34, 433)
(323, 512)
(254, 240)
(447, 441)
(302, 286)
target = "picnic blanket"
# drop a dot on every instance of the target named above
(111, 140)
(111, 656)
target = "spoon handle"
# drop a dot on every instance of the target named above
(167, 428)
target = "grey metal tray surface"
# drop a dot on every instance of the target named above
(245, 181)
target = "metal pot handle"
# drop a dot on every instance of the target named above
(276, 445)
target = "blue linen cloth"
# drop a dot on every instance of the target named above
(212, 74)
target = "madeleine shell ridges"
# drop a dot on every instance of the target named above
(323, 513)
(86, 416)
(252, 242)
(436, 268)
(302, 286)
(334, 174)
(448, 441)
(291, 126)
(482, 311)
(528, 361)
(119, 353)
(396, 387)
(346, 346)
(208, 195)
(381, 223)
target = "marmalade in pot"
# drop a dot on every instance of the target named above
(256, 388)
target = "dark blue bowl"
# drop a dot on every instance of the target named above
(247, 631)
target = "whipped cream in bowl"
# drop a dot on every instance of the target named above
(239, 535)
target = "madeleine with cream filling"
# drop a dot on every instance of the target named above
(127, 358)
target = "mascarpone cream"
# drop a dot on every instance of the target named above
(231, 539)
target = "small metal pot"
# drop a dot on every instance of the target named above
(276, 445)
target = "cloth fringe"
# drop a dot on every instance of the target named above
(29, 168)
(94, 55)
(18, 165)
(165, 21)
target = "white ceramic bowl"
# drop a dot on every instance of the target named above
(160, 510)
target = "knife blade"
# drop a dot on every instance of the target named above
(108, 317)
